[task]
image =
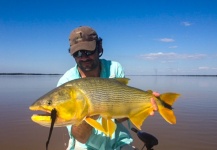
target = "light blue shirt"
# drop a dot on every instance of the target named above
(98, 140)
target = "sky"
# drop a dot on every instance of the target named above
(148, 37)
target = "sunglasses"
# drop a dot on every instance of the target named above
(83, 52)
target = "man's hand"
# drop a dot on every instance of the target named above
(83, 131)
(153, 102)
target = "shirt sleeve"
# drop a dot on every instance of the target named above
(71, 74)
(111, 69)
(119, 71)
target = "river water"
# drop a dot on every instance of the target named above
(195, 110)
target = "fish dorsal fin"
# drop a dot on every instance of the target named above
(123, 80)
(149, 91)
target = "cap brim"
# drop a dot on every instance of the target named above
(85, 45)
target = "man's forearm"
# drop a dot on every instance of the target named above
(82, 132)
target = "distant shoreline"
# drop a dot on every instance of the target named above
(126, 75)
(180, 75)
(30, 74)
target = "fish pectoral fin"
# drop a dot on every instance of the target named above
(95, 124)
(139, 118)
(109, 126)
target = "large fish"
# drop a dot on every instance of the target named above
(78, 100)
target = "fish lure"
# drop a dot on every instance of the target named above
(53, 118)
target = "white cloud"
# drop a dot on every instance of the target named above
(171, 56)
(207, 68)
(167, 40)
(203, 68)
(186, 23)
(173, 46)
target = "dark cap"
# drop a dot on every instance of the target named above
(83, 38)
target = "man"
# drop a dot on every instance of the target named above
(86, 48)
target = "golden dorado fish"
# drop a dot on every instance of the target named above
(78, 100)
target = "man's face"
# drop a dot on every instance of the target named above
(88, 63)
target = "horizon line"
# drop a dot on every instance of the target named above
(126, 75)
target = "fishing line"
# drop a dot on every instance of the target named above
(53, 118)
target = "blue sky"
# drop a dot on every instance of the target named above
(146, 36)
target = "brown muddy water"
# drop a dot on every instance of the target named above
(196, 112)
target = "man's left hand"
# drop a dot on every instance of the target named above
(154, 104)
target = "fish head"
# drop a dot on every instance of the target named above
(69, 102)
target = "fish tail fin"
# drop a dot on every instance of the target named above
(165, 109)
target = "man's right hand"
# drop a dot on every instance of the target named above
(83, 131)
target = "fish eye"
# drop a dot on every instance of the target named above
(49, 102)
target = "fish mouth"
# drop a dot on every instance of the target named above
(44, 118)
(40, 108)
